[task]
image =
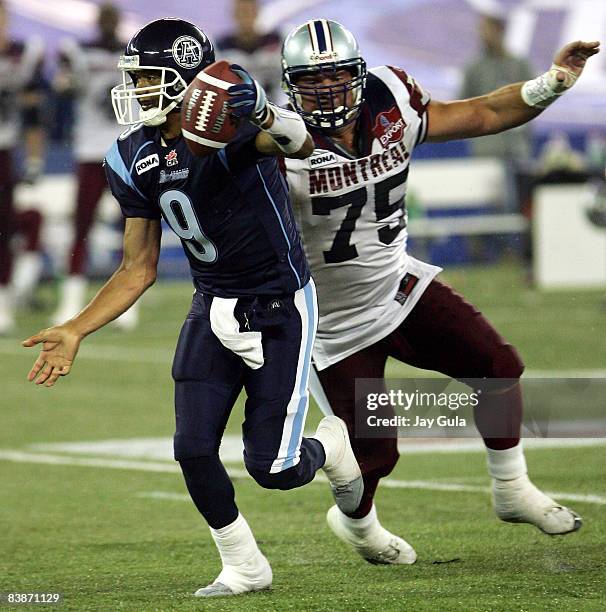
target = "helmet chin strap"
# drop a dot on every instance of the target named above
(155, 118)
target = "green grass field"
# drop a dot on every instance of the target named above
(123, 536)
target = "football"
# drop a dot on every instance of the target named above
(206, 123)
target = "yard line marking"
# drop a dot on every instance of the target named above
(231, 450)
(102, 353)
(120, 353)
(423, 485)
(116, 464)
(426, 485)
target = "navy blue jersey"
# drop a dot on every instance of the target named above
(230, 209)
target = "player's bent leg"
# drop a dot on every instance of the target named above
(370, 539)
(278, 400)
(471, 348)
(207, 382)
(311, 459)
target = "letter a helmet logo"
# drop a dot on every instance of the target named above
(187, 52)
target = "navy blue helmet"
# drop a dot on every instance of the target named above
(177, 50)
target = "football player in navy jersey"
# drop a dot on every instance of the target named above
(376, 301)
(253, 316)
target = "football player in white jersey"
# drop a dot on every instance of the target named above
(21, 116)
(377, 301)
(88, 70)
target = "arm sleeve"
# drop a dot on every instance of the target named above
(132, 200)
(242, 150)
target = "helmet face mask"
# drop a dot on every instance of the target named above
(328, 106)
(164, 97)
(175, 51)
(323, 51)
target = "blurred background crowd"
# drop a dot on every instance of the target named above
(535, 195)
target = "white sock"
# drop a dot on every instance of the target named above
(235, 542)
(362, 525)
(6, 303)
(26, 274)
(507, 464)
(73, 294)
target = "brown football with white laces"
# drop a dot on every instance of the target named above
(206, 123)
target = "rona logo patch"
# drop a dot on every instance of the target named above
(147, 163)
(324, 159)
(389, 127)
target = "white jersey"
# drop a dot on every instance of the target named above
(20, 70)
(352, 218)
(94, 71)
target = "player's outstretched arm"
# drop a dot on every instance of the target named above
(283, 132)
(136, 273)
(511, 105)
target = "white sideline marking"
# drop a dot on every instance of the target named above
(116, 464)
(156, 449)
(427, 485)
(161, 449)
(120, 353)
(113, 464)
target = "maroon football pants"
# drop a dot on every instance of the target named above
(91, 184)
(26, 223)
(444, 333)
(7, 215)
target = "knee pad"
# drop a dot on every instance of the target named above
(507, 363)
(189, 447)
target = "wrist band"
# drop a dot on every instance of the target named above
(288, 129)
(546, 89)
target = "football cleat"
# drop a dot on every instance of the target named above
(341, 467)
(519, 501)
(250, 576)
(373, 543)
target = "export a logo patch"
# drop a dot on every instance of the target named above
(389, 127)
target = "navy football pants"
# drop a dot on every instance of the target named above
(209, 377)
